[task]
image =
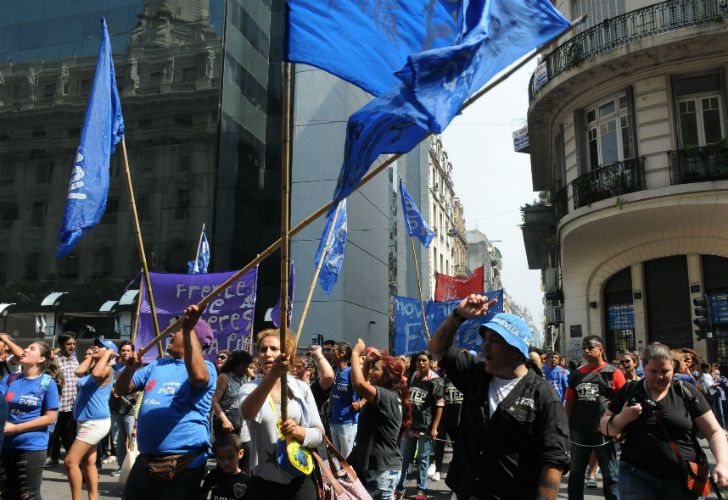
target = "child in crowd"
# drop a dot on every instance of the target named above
(227, 481)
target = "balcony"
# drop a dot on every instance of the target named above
(539, 226)
(611, 180)
(629, 27)
(698, 164)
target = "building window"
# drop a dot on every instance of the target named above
(3, 267)
(7, 174)
(189, 74)
(699, 107)
(49, 90)
(609, 138)
(103, 262)
(44, 172)
(144, 207)
(85, 86)
(38, 214)
(31, 266)
(182, 210)
(112, 207)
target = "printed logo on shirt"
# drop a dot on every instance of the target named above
(150, 385)
(169, 389)
(29, 400)
(9, 396)
(527, 402)
(587, 391)
(452, 395)
(418, 396)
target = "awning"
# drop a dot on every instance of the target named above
(53, 299)
(108, 306)
(4, 308)
(129, 298)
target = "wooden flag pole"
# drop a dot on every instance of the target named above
(136, 316)
(199, 244)
(419, 288)
(311, 289)
(285, 225)
(367, 177)
(140, 243)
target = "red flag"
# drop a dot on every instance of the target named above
(449, 288)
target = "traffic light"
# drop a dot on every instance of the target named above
(703, 317)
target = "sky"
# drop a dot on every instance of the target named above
(493, 181)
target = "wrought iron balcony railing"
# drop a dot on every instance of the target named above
(697, 164)
(623, 29)
(611, 180)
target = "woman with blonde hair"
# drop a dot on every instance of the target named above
(260, 406)
(628, 363)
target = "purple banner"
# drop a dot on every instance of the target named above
(230, 314)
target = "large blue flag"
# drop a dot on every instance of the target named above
(435, 83)
(103, 128)
(276, 312)
(416, 225)
(200, 265)
(367, 41)
(334, 258)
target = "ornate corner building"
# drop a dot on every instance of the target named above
(627, 128)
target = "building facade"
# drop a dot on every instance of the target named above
(481, 252)
(449, 248)
(627, 136)
(200, 85)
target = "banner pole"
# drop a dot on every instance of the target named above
(135, 326)
(199, 244)
(419, 288)
(364, 180)
(285, 225)
(140, 243)
(312, 288)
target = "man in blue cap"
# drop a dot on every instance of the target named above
(514, 431)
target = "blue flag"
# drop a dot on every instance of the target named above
(276, 312)
(416, 225)
(103, 128)
(334, 258)
(366, 42)
(434, 84)
(200, 265)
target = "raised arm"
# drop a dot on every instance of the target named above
(125, 382)
(471, 306)
(101, 371)
(254, 401)
(84, 366)
(358, 381)
(197, 372)
(325, 372)
(15, 349)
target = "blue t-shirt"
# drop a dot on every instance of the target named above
(27, 400)
(558, 378)
(342, 395)
(174, 415)
(92, 402)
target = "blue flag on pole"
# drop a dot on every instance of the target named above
(435, 83)
(367, 42)
(276, 312)
(334, 258)
(416, 225)
(102, 129)
(200, 265)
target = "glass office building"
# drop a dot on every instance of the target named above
(200, 84)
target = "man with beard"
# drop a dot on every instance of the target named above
(514, 436)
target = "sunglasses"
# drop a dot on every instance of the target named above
(222, 357)
(626, 361)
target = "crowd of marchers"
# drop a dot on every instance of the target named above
(517, 420)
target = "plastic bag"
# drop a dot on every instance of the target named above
(131, 455)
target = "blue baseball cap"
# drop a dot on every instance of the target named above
(512, 328)
(106, 343)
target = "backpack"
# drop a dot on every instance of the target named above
(45, 381)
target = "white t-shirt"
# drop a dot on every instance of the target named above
(498, 390)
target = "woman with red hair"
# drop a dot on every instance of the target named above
(386, 414)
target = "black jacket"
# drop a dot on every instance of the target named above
(501, 457)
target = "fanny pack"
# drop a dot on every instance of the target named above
(163, 469)
(290, 454)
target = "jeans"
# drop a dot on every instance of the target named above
(121, 429)
(606, 456)
(636, 484)
(21, 473)
(423, 445)
(343, 436)
(184, 486)
(381, 483)
(64, 433)
(717, 406)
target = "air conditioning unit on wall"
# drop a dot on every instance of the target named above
(554, 314)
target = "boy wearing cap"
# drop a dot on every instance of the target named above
(590, 389)
(514, 432)
(173, 426)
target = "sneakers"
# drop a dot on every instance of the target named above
(431, 471)
(116, 473)
(109, 460)
(436, 476)
(399, 495)
(421, 496)
(50, 463)
(592, 483)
